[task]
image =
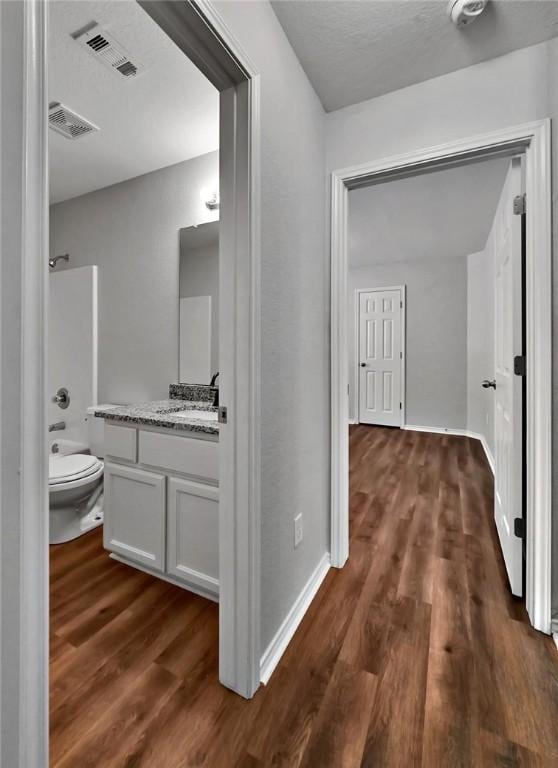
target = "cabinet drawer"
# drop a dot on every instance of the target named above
(193, 534)
(121, 442)
(134, 514)
(187, 455)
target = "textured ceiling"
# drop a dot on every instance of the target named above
(441, 215)
(166, 114)
(352, 51)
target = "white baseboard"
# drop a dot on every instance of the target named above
(353, 421)
(437, 430)
(487, 451)
(555, 638)
(284, 634)
(458, 433)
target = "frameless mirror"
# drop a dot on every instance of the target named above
(198, 357)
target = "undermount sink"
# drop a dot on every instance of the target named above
(194, 413)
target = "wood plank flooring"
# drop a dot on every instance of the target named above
(414, 654)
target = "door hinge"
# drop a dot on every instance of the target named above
(400, 305)
(401, 355)
(520, 204)
(519, 527)
(222, 414)
(400, 406)
(519, 365)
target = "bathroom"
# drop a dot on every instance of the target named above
(133, 340)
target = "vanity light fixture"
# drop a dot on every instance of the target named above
(211, 200)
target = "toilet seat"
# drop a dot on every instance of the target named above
(69, 469)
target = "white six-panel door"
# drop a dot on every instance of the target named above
(380, 357)
(505, 244)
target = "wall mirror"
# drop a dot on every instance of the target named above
(198, 356)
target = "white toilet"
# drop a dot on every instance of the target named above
(75, 481)
(75, 486)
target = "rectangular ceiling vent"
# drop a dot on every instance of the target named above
(105, 48)
(68, 123)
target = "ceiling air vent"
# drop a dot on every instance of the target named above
(68, 123)
(104, 47)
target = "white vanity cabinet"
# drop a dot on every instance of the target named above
(162, 505)
(134, 523)
(193, 532)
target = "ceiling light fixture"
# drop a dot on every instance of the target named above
(463, 12)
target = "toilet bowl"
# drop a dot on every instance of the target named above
(75, 490)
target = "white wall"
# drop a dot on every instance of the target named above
(436, 337)
(480, 344)
(294, 322)
(199, 276)
(72, 348)
(502, 92)
(132, 232)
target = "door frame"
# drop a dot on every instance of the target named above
(357, 292)
(199, 31)
(533, 140)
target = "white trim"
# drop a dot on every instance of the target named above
(353, 421)
(23, 393)
(339, 545)
(286, 631)
(437, 430)
(486, 448)
(533, 139)
(403, 292)
(200, 31)
(555, 638)
(457, 433)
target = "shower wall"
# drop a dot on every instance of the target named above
(72, 349)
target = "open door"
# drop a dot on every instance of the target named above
(506, 243)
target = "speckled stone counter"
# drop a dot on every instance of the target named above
(165, 414)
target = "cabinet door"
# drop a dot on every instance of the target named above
(134, 524)
(193, 534)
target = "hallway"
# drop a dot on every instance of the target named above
(413, 655)
(461, 679)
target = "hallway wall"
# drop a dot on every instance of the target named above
(294, 318)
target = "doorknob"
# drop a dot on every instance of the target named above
(487, 384)
(363, 365)
(62, 398)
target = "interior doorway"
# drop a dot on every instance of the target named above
(203, 37)
(527, 140)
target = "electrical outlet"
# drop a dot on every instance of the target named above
(298, 533)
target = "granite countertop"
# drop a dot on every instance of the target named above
(163, 413)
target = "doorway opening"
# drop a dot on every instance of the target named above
(531, 142)
(204, 38)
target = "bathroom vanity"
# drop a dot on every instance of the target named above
(161, 502)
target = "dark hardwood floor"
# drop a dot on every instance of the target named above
(414, 654)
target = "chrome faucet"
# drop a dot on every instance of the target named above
(59, 425)
(213, 383)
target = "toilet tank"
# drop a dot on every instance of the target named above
(96, 430)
